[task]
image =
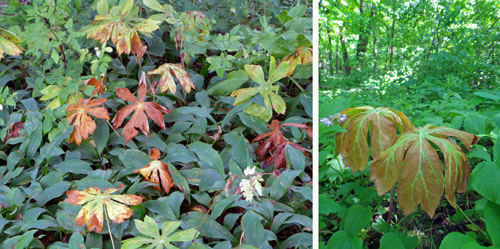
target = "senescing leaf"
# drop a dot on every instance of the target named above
(95, 202)
(83, 123)
(121, 24)
(168, 70)
(8, 44)
(380, 123)
(99, 86)
(414, 163)
(157, 171)
(268, 91)
(142, 110)
(301, 56)
(272, 150)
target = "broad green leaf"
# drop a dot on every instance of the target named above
(253, 229)
(381, 123)
(492, 220)
(455, 240)
(342, 240)
(484, 179)
(391, 241)
(208, 157)
(415, 165)
(255, 73)
(356, 218)
(101, 136)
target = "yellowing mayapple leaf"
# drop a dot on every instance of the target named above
(268, 91)
(94, 202)
(380, 123)
(168, 70)
(415, 165)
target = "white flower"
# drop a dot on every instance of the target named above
(252, 185)
(249, 171)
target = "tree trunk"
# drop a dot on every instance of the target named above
(345, 56)
(337, 66)
(363, 34)
(392, 34)
(375, 54)
(330, 50)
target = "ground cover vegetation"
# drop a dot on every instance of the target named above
(409, 110)
(155, 124)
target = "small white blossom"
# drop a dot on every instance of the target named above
(252, 185)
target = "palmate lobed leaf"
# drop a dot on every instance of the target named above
(415, 165)
(381, 123)
(302, 56)
(121, 24)
(142, 110)
(157, 171)
(94, 202)
(168, 235)
(167, 82)
(268, 91)
(83, 123)
(272, 150)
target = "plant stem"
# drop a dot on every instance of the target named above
(206, 214)
(391, 207)
(109, 229)
(474, 224)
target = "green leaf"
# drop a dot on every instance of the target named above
(295, 157)
(74, 166)
(492, 220)
(160, 208)
(239, 149)
(13, 159)
(232, 82)
(255, 123)
(484, 179)
(253, 229)
(153, 4)
(327, 205)
(455, 240)
(298, 240)
(356, 218)
(101, 136)
(208, 157)
(25, 240)
(391, 241)
(341, 240)
(102, 7)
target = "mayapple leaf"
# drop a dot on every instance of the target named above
(142, 110)
(272, 150)
(301, 56)
(149, 228)
(94, 202)
(121, 24)
(269, 92)
(380, 123)
(167, 82)
(413, 162)
(83, 123)
(157, 171)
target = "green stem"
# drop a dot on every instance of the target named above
(109, 229)
(474, 224)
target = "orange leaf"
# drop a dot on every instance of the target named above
(302, 56)
(142, 110)
(156, 171)
(168, 70)
(99, 86)
(415, 165)
(84, 124)
(273, 149)
(380, 122)
(94, 202)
